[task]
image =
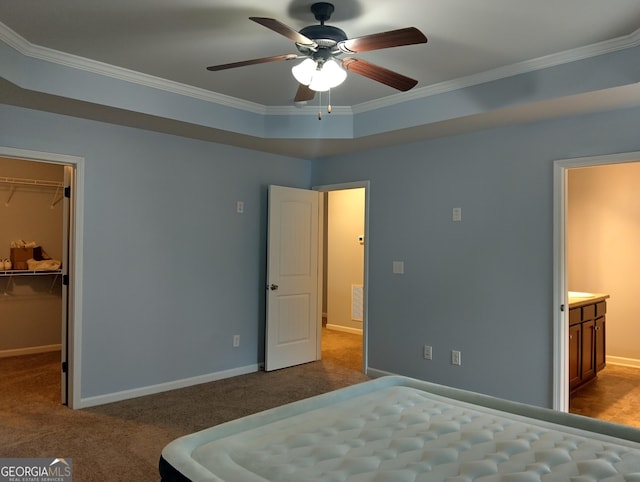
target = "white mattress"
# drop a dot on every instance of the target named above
(396, 429)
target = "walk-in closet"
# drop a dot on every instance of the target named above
(32, 221)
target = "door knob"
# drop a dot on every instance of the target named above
(273, 287)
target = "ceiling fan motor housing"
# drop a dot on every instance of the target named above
(325, 36)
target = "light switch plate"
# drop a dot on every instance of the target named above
(456, 357)
(427, 352)
(398, 267)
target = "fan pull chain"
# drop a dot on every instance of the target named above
(329, 108)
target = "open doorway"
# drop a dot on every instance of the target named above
(297, 275)
(344, 274)
(33, 179)
(596, 225)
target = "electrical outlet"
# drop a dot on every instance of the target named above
(456, 357)
(240, 207)
(427, 352)
(236, 341)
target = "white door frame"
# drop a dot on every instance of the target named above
(75, 260)
(365, 274)
(560, 311)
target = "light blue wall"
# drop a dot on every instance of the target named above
(171, 271)
(482, 286)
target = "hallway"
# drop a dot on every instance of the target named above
(344, 349)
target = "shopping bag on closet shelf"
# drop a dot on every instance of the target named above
(20, 256)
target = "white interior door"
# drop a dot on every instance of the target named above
(293, 308)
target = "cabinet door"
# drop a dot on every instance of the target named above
(600, 344)
(588, 363)
(575, 342)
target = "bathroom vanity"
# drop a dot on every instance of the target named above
(587, 335)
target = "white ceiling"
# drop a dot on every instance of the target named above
(469, 42)
(176, 40)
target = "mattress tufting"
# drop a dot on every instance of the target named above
(405, 434)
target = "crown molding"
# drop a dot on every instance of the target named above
(28, 49)
(309, 110)
(552, 60)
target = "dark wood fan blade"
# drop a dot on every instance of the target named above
(379, 74)
(384, 40)
(285, 30)
(304, 93)
(263, 60)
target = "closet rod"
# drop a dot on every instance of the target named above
(31, 182)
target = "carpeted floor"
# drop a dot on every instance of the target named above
(122, 441)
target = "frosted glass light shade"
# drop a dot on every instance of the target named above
(331, 75)
(320, 79)
(303, 72)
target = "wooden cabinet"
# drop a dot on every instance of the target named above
(575, 344)
(600, 342)
(587, 355)
(587, 342)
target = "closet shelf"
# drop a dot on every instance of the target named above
(31, 182)
(28, 272)
(17, 181)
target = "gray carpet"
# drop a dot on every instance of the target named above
(122, 441)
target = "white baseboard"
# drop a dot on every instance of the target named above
(31, 350)
(165, 387)
(622, 361)
(375, 373)
(346, 329)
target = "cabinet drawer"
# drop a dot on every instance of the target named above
(575, 316)
(588, 312)
(601, 308)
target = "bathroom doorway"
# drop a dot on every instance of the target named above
(610, 209)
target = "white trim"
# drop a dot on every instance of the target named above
(375, 373)
(560, 323)
(164, 387)
(623, 361)
(320, 275)
(526, 66)
(344, 329)
(26, 48)
(30, 350)
(310, 110)
(75, 288)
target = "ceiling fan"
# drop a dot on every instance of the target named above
(324, 48)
